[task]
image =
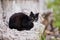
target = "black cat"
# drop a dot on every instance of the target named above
(21, 21)
(34, 17)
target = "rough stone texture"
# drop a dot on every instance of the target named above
(12, 34)
(1, 11)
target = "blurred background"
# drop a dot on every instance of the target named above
(55, 4)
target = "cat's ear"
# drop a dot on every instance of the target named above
(31, 13)
(37, 14)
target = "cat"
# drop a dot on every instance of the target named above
(34, 17)
(21, 21)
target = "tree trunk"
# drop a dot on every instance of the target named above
(12, 6)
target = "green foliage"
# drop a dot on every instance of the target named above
(56, 8)
(43, 37)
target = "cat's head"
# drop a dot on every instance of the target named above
(34, 17)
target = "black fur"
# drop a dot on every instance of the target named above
(34, 17)
(21, 21)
